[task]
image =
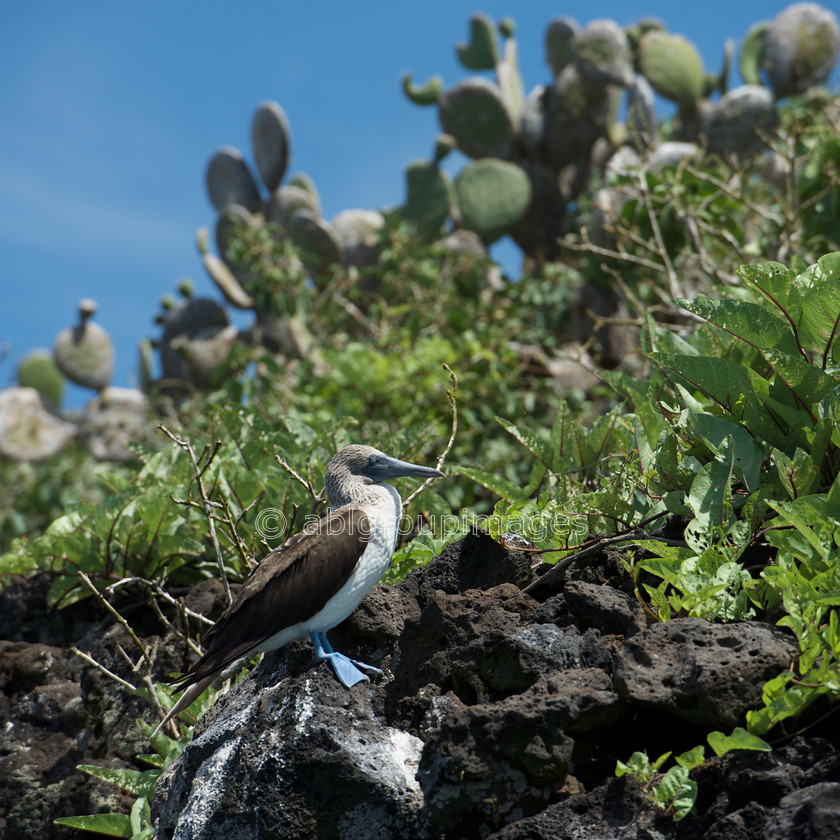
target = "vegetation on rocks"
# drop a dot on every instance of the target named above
(663, 379)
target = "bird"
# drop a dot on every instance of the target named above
(316, 578)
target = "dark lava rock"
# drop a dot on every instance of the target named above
(294, 757)
(515, 707)
(704, 673)
(476, 561)
(603, 607)
(492, 763)
(813, 812)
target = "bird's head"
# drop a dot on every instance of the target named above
(357, 466)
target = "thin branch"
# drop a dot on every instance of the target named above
(199, 472)
(126, 626)
(673, 283)
(453, 403)
(296, 476)
(558, 568)
(91, 661)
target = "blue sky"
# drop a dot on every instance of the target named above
(110, 111)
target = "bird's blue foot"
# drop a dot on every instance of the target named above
(345, 668)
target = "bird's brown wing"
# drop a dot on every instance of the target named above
(291, 584)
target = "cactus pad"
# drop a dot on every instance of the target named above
(270, 140)
(195, 320)
(641, 112)
(602, 53)
(673, 67)
(427, 94)
(84, 354)
(734, 124)
(287, 201)
(38, 370)
(475, 114)
(112, 420)
(560, 42)
(305, 182)
(315, 241)
(429, 197)
(231, 217)
(800, 48)
(28, 432)
(749, 59)
(229, 181)
(492, 196)
(482, 51)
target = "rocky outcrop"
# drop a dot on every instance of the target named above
(500, 715)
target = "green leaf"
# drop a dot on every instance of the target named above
(499, 485)
(808, 383)
(736, 389)
(778, 284)
(141, 818)
(539, 449)
(114, 825)
(821, 304)
(711, 488)
(714, 430)
(692, 758)
(139, 782)
(799, 475)
(676, 791)
(751, 323)
(740, 739)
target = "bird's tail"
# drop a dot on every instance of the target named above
(186, 699)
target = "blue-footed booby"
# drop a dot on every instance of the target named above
(316, 578)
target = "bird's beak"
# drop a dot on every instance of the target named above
(383, 467)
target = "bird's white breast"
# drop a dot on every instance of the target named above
(384, 521)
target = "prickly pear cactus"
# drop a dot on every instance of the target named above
(222, 276)
(229, 181)
(475, 114)
(287, 201)
(735, 124)
(429, 197)
(315, 241)
(228, 220)
(602, 53)
(271, 142)
(84, 354)
(800, 48)
(38, 370)
(673, 67)
(492, 196)
(112, 420)
(196, 339)
(482, 51)
(752, 47)
(425, 94)
(28, 431)
(560, 43)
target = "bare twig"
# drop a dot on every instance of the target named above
(126, 626)
(673, 283)
(453, 404)
(296, 476)
(556, 571)
(99, 667)
(205, 500)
